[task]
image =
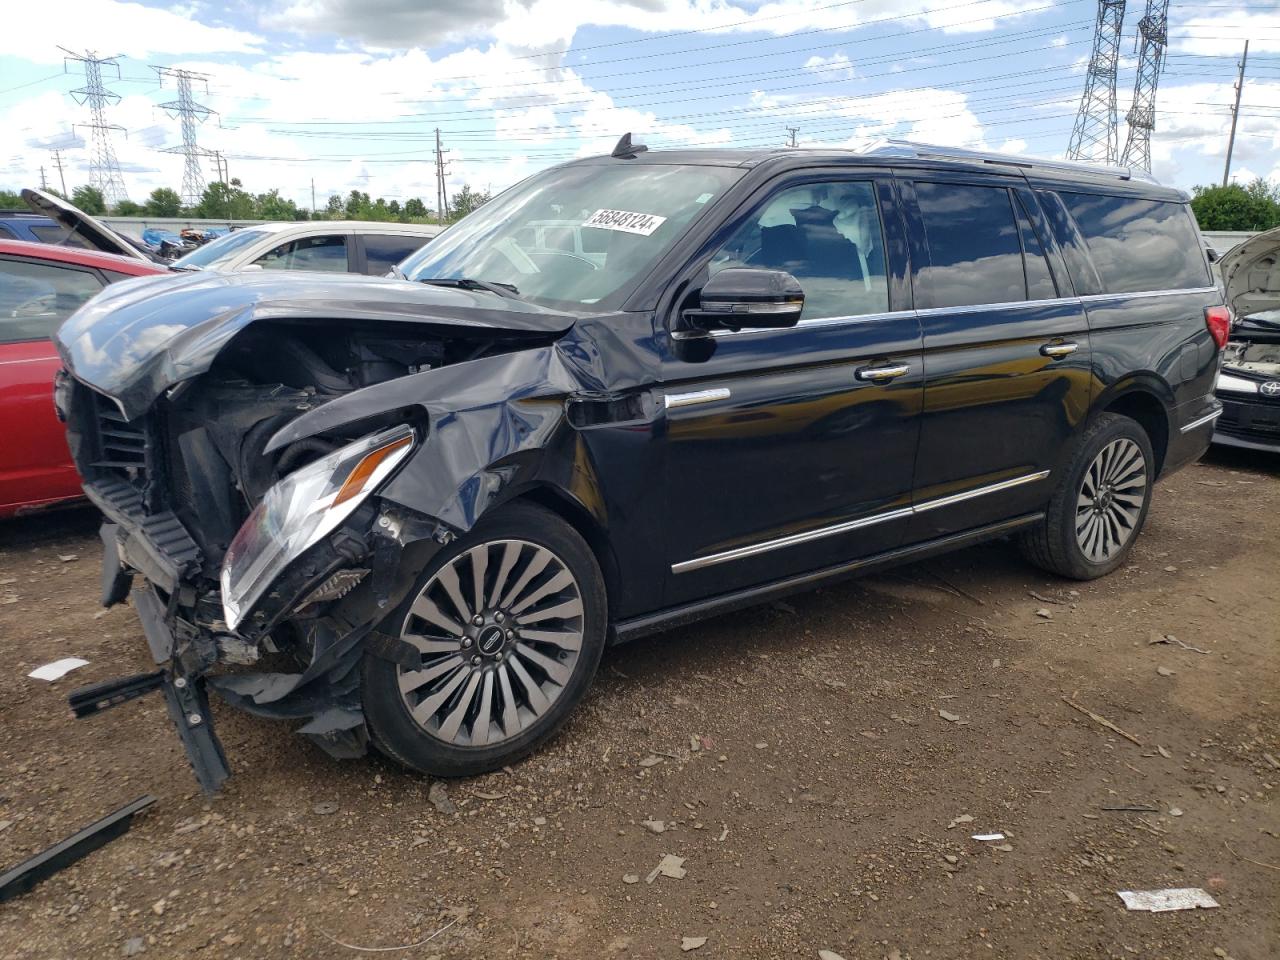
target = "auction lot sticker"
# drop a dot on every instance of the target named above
(626, 221)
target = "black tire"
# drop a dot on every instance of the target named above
(1053, 544)
(392, 725)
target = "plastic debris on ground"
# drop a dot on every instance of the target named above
(1161, 901)
(57, 669)
(988, 836)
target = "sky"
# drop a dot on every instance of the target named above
(348, 94)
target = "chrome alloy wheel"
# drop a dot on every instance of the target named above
(1109, 504)
(499, 629)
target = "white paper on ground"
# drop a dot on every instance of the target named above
(59, 668)
(1158, 901)
(988, 836)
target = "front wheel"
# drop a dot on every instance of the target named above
(1100, 503)
(507, 627)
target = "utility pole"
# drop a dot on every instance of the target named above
(57, 162)
(104, 168)
(791, 133)
(1235, 115)
(190, 114)
(313, 198)
(1094, 135)
(442, 196)
(44, 184)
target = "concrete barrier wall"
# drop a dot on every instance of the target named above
(133, 226)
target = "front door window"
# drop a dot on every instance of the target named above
(828, 236)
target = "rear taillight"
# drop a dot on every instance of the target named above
(1218, 320)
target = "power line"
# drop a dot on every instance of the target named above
(190, 115)
(1153, 28)
(1094, 134)
(104, 168)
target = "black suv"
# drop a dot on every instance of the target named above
(631, 391)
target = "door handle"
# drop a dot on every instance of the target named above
(1057, 350)
(880, 374)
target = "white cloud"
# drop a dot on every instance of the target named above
(1224, 32)
(32, 31)
(835, 67)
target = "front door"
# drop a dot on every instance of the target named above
(790, 450)
(1006, 352)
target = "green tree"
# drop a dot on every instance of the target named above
(226, 201)
(357, 206)
(89, 199)
(11, 200)
(272, 206)
(164, 202)
(393, 208)
(465, 201)
(127, 208)
(415, 208)
(333, 210)
(1233, 207)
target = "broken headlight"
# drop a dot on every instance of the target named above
(301, 509)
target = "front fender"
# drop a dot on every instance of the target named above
(494, 425)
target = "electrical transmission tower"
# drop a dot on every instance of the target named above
(104, 168)
(1153, 29)
(191, 114)
(1094, 135)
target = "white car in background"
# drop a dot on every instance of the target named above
(339, 246)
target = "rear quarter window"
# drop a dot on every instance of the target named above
(1138, 245)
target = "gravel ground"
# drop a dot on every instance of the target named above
(820, 765)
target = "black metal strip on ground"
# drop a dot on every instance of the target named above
(48, 862)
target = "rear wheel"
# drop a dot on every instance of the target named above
(507, 627)
(1100, 503)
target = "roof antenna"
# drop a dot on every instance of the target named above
(626, 150)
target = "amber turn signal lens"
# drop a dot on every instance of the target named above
(365, 468)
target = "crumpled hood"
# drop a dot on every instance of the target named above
(139, 337)
(1251, 273)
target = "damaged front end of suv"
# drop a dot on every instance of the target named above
(278, 459)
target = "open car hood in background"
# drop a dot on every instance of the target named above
(95, 233)
(1251, 274)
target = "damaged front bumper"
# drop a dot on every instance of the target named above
(327, 601)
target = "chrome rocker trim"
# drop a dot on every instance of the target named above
(765, 546)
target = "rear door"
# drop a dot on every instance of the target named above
(1006, 351)
(35, 297)
(786, 452)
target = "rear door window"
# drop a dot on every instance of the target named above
(1139, 245)
(36, 297)
(975, 253)
(328, 253)
(1039, 278)
(384, 250)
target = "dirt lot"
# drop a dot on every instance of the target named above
(816, 814)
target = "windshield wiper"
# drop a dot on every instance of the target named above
(508, 290)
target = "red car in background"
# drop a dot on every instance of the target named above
(40, 286)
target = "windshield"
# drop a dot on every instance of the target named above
(201, 257)
(580, 235)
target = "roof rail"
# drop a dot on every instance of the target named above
(922, 151)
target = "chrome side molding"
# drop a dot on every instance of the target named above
(672, 400)
(751, 550)
(1201, 421)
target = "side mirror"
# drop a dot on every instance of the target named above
(749, 298)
